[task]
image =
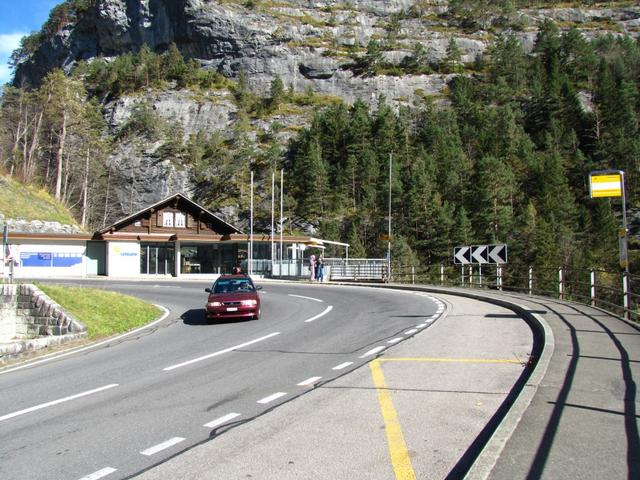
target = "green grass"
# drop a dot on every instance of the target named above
(104, 313)
(26, 202)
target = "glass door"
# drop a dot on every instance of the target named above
(157, 259)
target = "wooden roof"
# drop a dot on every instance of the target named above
(175, 215)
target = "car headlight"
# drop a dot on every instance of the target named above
(249, 303)
(214, 304)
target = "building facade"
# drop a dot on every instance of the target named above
(174, 237)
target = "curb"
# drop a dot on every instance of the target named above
(71, 351)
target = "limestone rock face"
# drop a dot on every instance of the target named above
(304, 42)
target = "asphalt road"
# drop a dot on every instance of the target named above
(125, 406)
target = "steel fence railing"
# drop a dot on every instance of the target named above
(613, 291)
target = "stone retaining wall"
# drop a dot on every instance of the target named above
(30, 320)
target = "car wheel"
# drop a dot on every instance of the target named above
(257, 315)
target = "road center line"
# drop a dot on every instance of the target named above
(215, 354)
(308, 381)
(342, 365)
(221, 420)
(99, 474)
(56, 402)
(326, 310)
(307, 298)
(162, 446)
(271, 398)
(373, 351)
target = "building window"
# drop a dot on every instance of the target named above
(167, 219)
(180, 220)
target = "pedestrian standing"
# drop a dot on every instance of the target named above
(320, 269)
(312, 267)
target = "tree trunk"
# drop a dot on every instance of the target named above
(59, 155)
(106, 199)
(85, 187)
(30, 161)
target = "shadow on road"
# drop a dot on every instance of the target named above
(197, 317)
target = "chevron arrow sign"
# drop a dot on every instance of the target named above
(480, 254)
(462, 255)
(497, 253)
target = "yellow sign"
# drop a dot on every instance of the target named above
(606, 185)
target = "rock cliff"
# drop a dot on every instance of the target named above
(305, 42)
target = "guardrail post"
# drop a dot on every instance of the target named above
(593, 288)
(530, 280)
(560, 283)
(625, 292)
(413, 274)
(441, 274)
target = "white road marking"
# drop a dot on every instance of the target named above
(373, 351)
(215, 354)
(221, 420)
(411, 332)
(56, 402)
(162, 446)
(395, 340)
(55, 356)
(326, 310)
(309, 381)
(271, 398)
(99, 474)
(342, 365)
(422, 325)
(307, 298)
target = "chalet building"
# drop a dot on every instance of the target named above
(174, 237)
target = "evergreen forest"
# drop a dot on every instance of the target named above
(503, 156)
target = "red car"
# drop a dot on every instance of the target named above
(233, 296)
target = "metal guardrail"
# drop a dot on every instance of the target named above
(616, 292)
(358, 272)
(356, 269)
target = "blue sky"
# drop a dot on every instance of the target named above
(19, 18)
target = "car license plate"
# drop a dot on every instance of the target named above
(232, 309)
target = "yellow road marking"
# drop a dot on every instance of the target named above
(395, 440)
(451, 360)
(397, 447)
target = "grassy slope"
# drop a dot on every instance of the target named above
(18, 201)
(104, 313)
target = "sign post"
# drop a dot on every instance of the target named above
(608, 184)
(478, 255)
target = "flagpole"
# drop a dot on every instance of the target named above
(281, 214)
(389, 242)
(273, 185)
(250, 269)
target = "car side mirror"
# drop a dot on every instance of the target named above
(208, 290)
(258, 287)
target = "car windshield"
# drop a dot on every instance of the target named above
(233, 285)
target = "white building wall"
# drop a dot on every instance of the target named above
(123, 259)
(61, 259)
